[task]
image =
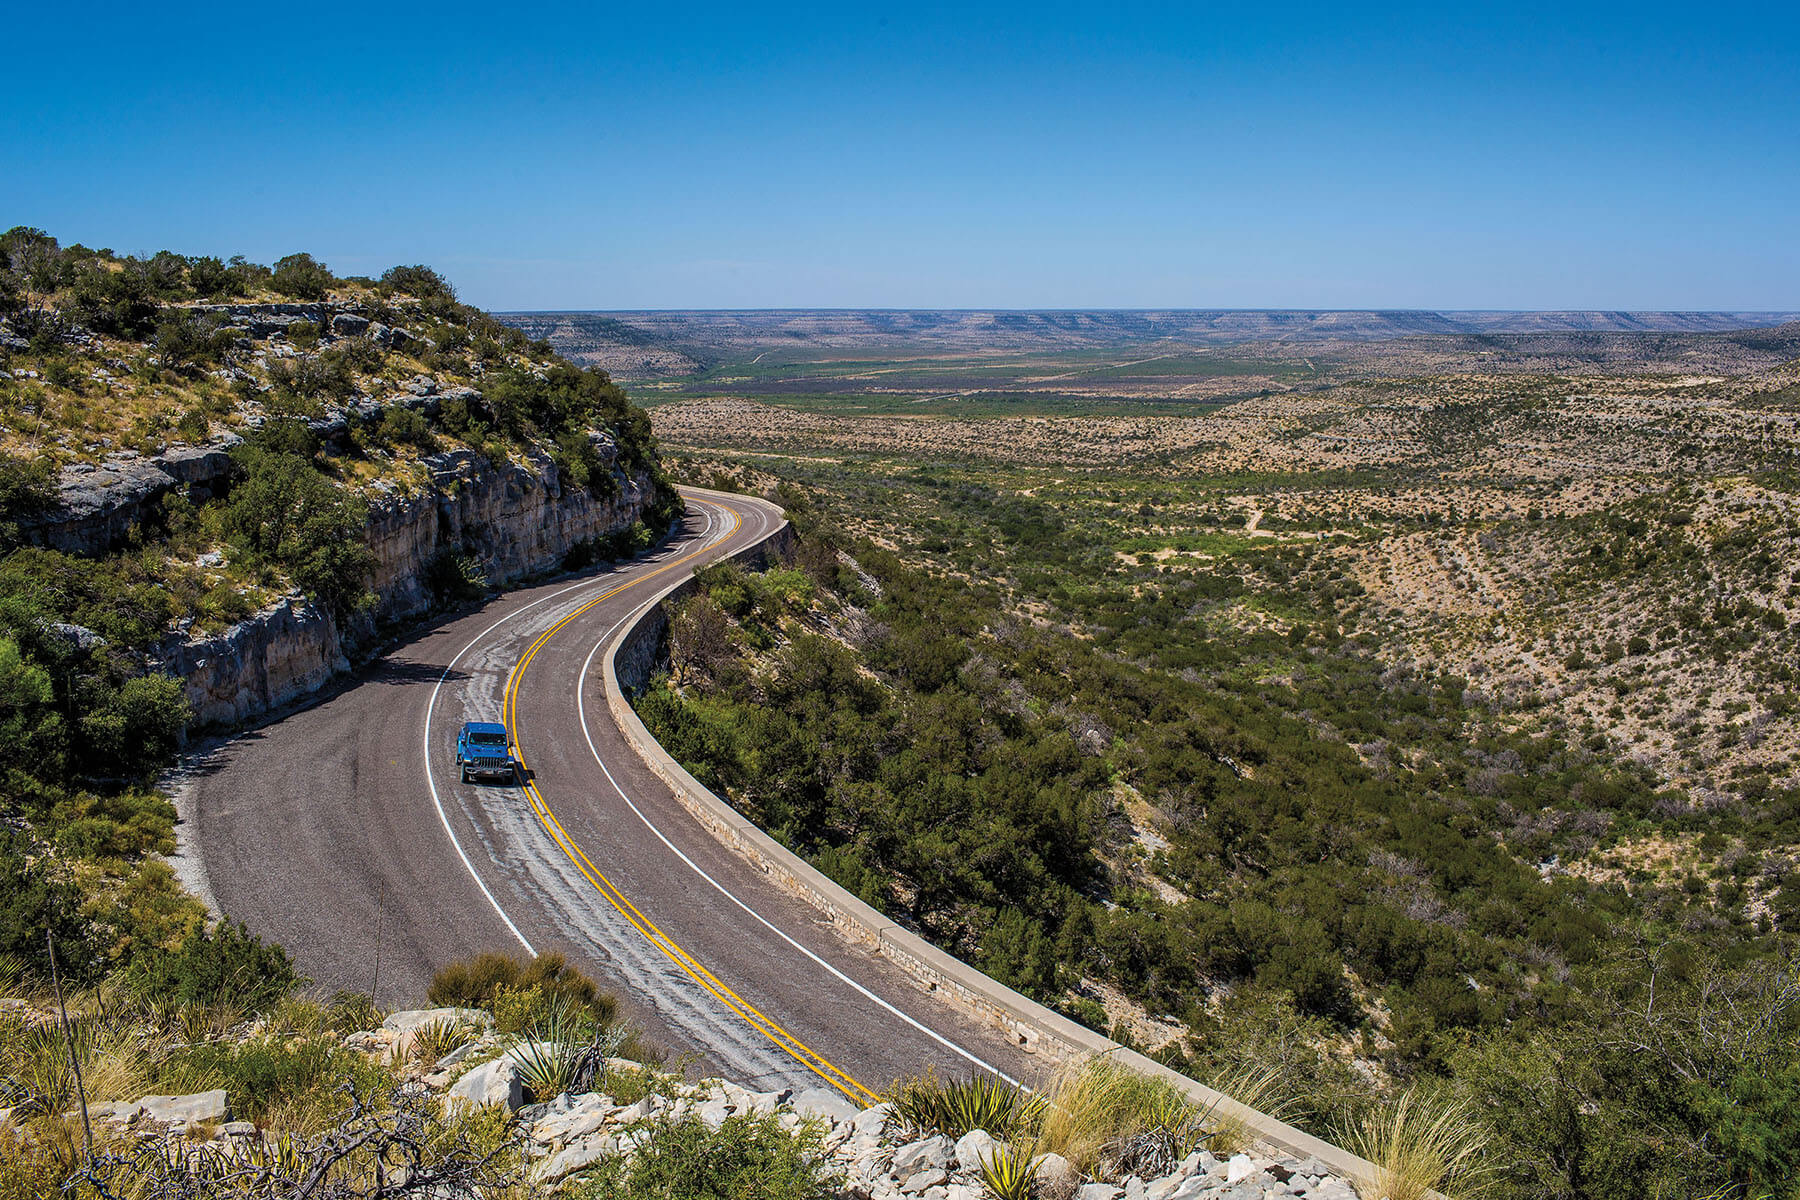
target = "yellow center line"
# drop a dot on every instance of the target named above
(797, 1049)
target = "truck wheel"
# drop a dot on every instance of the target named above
(464, 772)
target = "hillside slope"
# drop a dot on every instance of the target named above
(221, 483)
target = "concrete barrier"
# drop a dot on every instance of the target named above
(1035, 1027)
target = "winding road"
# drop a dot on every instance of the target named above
(342, 832)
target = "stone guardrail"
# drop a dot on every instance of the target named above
(1037, 1028)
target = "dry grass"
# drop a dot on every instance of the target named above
(1420, 1144)
(1096, 1110)
(1253, 1087)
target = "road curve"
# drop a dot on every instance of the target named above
(343, 832)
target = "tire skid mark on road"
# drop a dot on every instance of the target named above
(801, 1052)
(431, 705)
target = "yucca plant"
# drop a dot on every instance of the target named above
(434, 1039)
(1423, 1142)
(565, 1051)
(12, 974)
(988, 1102)
(926, 1104)
(1170, 1127)
(115, 1062)
(1010, 1171)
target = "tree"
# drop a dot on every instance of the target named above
(115, 300)
(699, 637)
(209, 276)
(30, 726)
(301, 276)
(285, 511)
(187, 341)
(420, 281)
(1016, 952)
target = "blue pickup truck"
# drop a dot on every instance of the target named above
(483, 751)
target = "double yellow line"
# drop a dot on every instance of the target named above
(695, 970)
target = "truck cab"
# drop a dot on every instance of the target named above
(483, 751)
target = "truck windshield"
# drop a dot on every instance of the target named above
(488, 739)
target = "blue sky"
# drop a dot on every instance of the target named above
(1019, 156)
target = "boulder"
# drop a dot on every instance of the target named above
(873, 1119)
(759, 1103)
(1240, 1168)
(713, 1112)
(349, 324)
(185, 1110)
(78, 636)
(1054, 1172)
(643, 1110)
(824, 1103)
(414, 1019)
(577, 1156)
(1098, 1191)
(934, 1151)
(973, 1149)
(497, 1082)
(918, 1181)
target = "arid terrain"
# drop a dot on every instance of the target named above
(1613, 552)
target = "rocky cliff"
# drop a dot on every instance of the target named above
(512, 519)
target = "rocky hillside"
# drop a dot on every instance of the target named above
(466, 1101)
(221, 484)
(136, 393)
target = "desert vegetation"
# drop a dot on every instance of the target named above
(1422, 743)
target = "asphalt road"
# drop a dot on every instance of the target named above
(348, 818)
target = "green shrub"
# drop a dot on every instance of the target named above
(122, 824)
(295, 1080)
(455, 577)
(746, 1158)
(302, 277)
(33, 899)
(420, 281)
(136, 729)
(27, 486)
(228, 965)
(527, 990)
(404, 426)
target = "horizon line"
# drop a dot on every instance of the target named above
(1659, 312)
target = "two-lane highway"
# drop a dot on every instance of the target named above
(349, 815)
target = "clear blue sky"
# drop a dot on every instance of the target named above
(1028, 155)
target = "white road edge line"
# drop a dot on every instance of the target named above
(581, 712)
(431, 706)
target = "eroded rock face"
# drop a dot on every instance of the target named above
(100, 505)
(514, 520)
(259, 664)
